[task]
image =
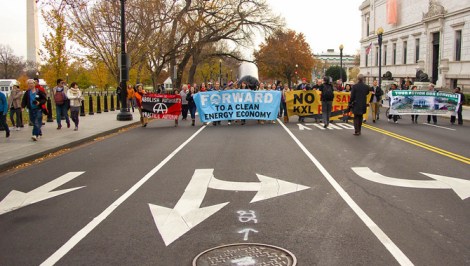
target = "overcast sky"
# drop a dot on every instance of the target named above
(326, 24)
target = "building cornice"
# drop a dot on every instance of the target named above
(364, 5)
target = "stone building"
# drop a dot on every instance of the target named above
(332, 58)
(428, 35)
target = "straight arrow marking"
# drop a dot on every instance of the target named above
(460, 186)
(17, 199)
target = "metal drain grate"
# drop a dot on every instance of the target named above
(245, 254)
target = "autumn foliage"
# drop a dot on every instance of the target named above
(285, 55)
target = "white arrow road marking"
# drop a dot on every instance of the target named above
(302, 127)
(268, 187)
(173, 223)
(17, 199)
(460, 186)
(75, 239)
(247, 232)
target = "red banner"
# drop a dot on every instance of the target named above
(161, 106)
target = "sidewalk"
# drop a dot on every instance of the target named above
(20, 148)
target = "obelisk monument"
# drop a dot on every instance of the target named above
(32, 31)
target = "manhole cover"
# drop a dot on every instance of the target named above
(245, 254)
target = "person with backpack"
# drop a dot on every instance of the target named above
(60, 96)
(327, 96)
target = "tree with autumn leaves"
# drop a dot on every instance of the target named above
(285, 55)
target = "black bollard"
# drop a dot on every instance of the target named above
(105, 99)
(118, 103)
(90, 105)
(49, 108)
(98, 104)
(112, 102)
(82, 107)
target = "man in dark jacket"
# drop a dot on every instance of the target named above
(327, 96)
(359, 103)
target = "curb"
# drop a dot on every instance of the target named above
(10, 165)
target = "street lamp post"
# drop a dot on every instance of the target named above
(341, 63)
(220, 72)
(124, 114)
(67, 78)
(380, 32)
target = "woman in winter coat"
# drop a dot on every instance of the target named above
(75, 96)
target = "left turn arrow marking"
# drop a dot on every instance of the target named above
(17, 199)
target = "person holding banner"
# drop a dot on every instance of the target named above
(184, 103)
(216, 88)
(138, 100)
(394, 117)
(327, 96)
(192, 104)
(283, 102)
(460, 106)
(358, 103)
(305, 87)
(434, 117)
(414, 118)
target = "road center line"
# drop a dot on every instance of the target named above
(420, 144)
(373, 227)
(72, 242)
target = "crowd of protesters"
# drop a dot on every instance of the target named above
(324, 85)
(70, 99)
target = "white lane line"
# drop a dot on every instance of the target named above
(373, 227)
(431, 125)
(72, 242)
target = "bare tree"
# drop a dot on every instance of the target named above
(11, 66)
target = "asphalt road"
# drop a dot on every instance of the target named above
(210, 186)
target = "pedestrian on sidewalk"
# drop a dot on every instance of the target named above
(460, 106)
(3, 113)
(14, 103)
(358, 103)
(75, 96)
(33, 99)
(130, 97)
(138, 100)
(60, 97)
